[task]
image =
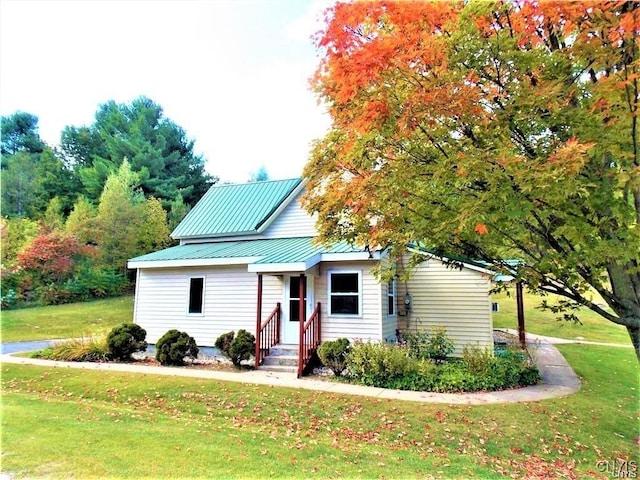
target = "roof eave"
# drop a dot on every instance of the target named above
(468, 265)
(191, 262)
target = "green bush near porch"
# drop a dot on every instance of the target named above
(174, 346)
(236, 348)
(392, 366)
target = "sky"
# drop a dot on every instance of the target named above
(232, 73)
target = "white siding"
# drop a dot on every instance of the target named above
(456, 299)
(367, 326)
(229, 302)
(389, 323)
(293, 221)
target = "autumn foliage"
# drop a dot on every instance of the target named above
(490, 130)
(51, 256)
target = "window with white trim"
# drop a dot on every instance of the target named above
(345, 293)
(391, 298)
(196, 296)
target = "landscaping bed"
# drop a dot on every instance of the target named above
(422, 362)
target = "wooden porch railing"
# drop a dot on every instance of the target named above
(268, 335)
(309, 340)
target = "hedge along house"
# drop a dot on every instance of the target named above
(247, 260)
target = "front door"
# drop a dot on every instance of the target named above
(291, 310)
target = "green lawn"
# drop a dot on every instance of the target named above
(594, 328)
(65, 321)
(58, 423)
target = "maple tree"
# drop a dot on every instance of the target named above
(491, 131)
(50, 257)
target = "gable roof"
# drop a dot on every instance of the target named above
(237, 209)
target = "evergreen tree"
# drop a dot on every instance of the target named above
(156, 148)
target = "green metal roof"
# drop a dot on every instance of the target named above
(276, 251)
(235, 209)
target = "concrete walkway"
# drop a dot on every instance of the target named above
(532, 338)
(558, 379)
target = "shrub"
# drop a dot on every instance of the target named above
(223, 343)
(174, 346)
(333, 354)
(8, 299)
(97, 283)
(237, 347)
(52, 294)
(435, 345)
(440, 345)
(86, 349)
(417, 344)
(242, 347)
(126, 339)
(377, 364)
(390, 366)
(478, 361)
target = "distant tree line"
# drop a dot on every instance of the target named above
(72, 215)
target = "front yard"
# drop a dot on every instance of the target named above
(191, 428)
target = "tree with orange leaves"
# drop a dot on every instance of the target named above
(488, 130)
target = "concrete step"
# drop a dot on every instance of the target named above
(283, 360)
(279, 368)
(287, 350)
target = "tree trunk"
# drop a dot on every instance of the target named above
(634, 333)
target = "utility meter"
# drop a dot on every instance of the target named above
(408, 301)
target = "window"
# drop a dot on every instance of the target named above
(196, 295)
(344, 293)
(391, 298)
(294, 298)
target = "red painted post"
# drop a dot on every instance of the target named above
(278, 323)
(318, 321)
(258, 320)
(520, 305)
(302, 318)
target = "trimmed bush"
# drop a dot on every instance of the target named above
(126, 339)
(242, 347)
(236, 347)
(223, 343)
(333, 354)
(174, 346)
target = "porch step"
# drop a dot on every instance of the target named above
(279, 369)
(284, 349)
(282, 358)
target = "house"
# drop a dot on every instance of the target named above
(247, 260)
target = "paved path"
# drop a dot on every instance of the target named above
(558, 380)
(532, 338)
(15, 347)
